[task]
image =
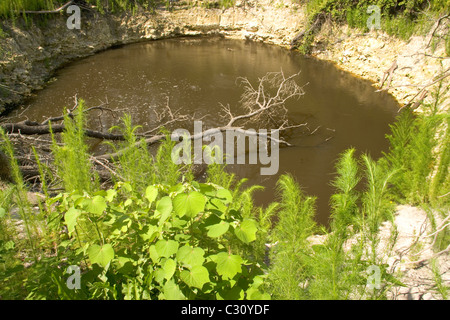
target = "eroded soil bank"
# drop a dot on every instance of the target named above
(29, 56)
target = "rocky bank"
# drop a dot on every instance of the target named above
(29, 57)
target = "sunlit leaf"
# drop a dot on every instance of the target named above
(164, 207)
(151, 193)
(217, 230)
(110, 195)
(191, 256)
(70, 219)
(228, 265)
(196, 277)
(172, 291)
(169, 268)
(189, 204)
(166, 248)
(246, 231)
(97, 205)
(224, 195)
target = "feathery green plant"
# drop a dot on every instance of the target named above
(135, 163)
(72, 158)
(344, 201)
(166, 170)
(290, 251)
(419, 149)
(21, 196)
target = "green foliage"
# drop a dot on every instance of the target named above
(440, 285)
(399, 18)
(289, 267)
(218, 4)
(135, 163)
(14, 8)
(166, 170)
(344, 201)
(414, 143)
(168, 244)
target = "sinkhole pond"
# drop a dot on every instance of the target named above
(197, 76)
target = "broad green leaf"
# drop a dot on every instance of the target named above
(189, 204)
(128, 202)
(207, 189)
(159, 275)
(253, 293)
(227, 265)
(164, 207)
(2, 212)
(217, 230)
(151, 193)
(97, 205)
(234, 293)
(166, 248)
(101, 255)
(110, 195)
(124, 265)
(169, 268)
(215, 205)
(196, 277)
(172, 291)
(153, 254)
(178, 188)
(70, 219)
(246, 231)
(190, 256)
(149, 233)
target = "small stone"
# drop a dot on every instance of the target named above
(428, 296)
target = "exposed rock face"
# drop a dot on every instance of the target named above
(369, 55)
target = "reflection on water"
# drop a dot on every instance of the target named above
(195, 75)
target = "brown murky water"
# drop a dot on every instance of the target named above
(195, 75)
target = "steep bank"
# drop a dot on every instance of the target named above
(369, 55)
(30, 55)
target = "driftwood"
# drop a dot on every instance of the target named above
(422, 93)
(388, 75)
(28, 127)
(436, 26)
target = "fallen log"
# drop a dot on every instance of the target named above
(28, 127)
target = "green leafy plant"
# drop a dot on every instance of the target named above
(172, 242)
